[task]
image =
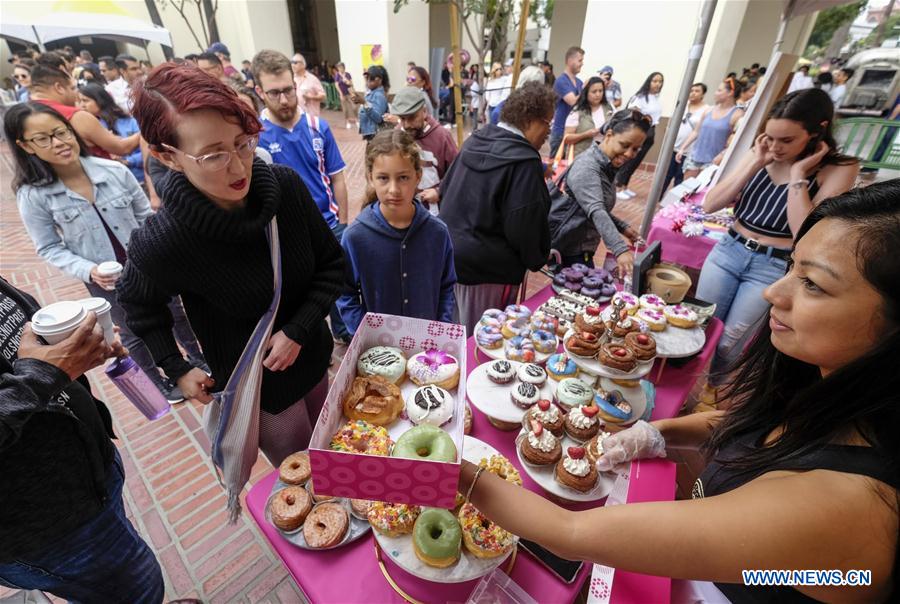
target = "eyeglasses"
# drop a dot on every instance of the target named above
(213, 162)
(275, 95)
(45, 141)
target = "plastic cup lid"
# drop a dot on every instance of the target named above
(98, 305)
(109, 267)
(58, 317)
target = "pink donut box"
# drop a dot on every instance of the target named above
(393, 479)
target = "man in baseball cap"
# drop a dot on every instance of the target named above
(436, 145)
(613, 89)
(221, 51)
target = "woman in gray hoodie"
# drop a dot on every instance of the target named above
(583, 198)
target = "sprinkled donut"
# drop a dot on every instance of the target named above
(483, 538)
(359, 436)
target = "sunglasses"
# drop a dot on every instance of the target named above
(412, 80)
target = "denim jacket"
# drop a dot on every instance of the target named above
(66, 230)
(370, 114)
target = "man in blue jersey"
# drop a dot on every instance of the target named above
(305, 143)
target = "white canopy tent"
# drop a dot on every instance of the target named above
(12, 28)
(59, 25)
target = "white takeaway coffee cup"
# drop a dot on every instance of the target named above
(104, 316)
(109, 269)
(56, 322)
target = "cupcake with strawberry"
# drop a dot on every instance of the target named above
(583, 422)
(548, 415)
(575, 470)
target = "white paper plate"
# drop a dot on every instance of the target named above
(493, 399)
(673, 342)
(499, 354)
(593, 366)
(468, 568)
(543, 475)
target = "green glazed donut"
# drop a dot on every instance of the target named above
(425, 442)
(437, 538)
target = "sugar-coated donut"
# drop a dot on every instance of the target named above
(437, 538)
(360, 508)
(386, 361)
(425, 442)
(295, 468)
(289, 508)
(326, 525)
(358, 436)
(483, 538)
(392, 519)
(430, 405)
(520, 348)
(434, 367)
(373, 399)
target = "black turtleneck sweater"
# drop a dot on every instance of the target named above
(218, 262)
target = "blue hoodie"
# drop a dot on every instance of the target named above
(408, 273)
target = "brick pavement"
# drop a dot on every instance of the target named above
(171, 492)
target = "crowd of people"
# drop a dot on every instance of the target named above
(224, 194)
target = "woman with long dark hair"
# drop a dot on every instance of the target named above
(256, 265)
(803, 469)
(81, 211)
(646, 100)
(588, 115)
(94, 99)
(793, 167)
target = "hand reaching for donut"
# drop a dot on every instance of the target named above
(640, 441)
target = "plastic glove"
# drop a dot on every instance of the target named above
(640, 441)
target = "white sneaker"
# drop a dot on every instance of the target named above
(630, 193)
(622, 196)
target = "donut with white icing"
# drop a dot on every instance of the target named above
(384, 361)
(434, 367)
(430, 405)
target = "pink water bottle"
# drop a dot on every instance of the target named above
(137, 387)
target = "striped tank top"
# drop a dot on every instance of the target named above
(762, 207)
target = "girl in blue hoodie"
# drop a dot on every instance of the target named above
(399, 256)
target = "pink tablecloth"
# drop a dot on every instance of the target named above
(351, 574)
(688, 251)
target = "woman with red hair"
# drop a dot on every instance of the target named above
(258, 269)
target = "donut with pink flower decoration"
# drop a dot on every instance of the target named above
(434, 367)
